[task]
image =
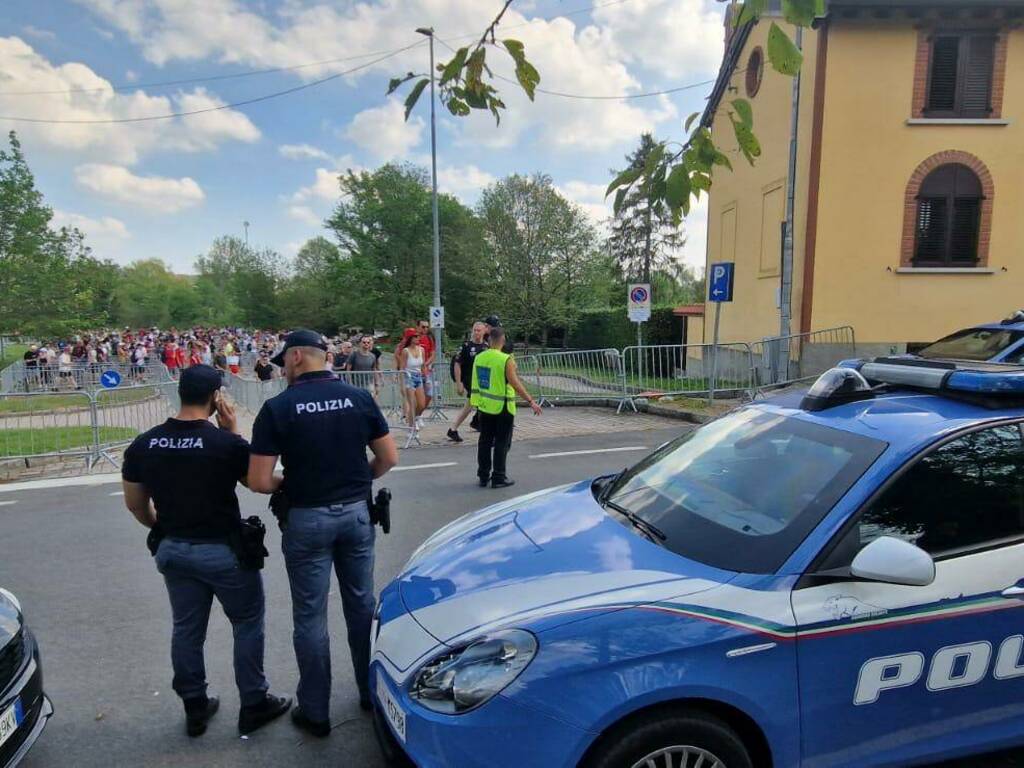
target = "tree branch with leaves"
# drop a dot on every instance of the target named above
(675, 174)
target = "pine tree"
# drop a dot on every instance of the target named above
(643, 238)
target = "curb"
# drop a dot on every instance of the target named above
(642, 407)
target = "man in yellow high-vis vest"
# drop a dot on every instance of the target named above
(495, 386)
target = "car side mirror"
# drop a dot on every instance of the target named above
(894, 561)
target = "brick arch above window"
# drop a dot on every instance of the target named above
(914, 189)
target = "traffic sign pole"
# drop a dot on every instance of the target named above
(714, 354)
(719, 291)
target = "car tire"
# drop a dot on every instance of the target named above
(650, 736)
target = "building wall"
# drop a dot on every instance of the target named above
(869, 154)
(747, 205)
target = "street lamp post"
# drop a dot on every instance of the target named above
(245, 224)
(429, 33)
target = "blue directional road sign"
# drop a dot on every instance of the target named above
(110, 379)
(720, 284)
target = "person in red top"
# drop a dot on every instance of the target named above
(195, 356)
(427, 343)
(171, 357)
(179, 356)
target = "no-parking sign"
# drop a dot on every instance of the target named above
(640, 302)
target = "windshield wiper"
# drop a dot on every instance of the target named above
(606, 486)
(650, 530)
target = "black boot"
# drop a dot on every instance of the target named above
(502, 483)
(257, 715)
(320, 729)
(198, 713)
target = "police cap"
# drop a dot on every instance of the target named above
(299, 338)
(493, 321)
(199, 382)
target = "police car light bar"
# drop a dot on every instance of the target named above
(969, 378)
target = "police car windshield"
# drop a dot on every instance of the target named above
(972, 344)
(742, 492)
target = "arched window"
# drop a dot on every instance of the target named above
(949, 207)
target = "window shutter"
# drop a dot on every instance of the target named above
(931, 229)
(976, 97)
(963, 241)
(945, 64)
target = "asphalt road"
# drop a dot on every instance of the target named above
(78, 562)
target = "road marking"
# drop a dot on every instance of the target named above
(117, 493)
(426, 466)
(62, 482)
(6, 503)
(586, 453)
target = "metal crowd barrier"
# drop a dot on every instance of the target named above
(595, 374)
(122, 414)
(83, 424)
(33, 425)
(697, 370)
(20, 377)
(799, 357)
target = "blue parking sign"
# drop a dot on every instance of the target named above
(720, 282)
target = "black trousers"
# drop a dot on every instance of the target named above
(496, 439)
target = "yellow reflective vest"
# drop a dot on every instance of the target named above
(491, 393)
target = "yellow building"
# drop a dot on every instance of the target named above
(908, 197)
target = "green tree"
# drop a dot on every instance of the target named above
(311, 297)
(239, 284)
(383, 225)
(644, 236)
(41, 268)
(144, 294)
(541, 246)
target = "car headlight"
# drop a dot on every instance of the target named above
(467, 677)
(4, 594)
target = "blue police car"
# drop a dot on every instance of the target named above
(1001, 342)
(833, 578)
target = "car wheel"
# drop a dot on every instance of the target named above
(674, 740)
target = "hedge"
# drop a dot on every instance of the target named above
(603, 328)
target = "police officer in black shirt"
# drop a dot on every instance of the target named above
(179, 480)
(321, 427)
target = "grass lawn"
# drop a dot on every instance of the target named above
(53, 402)
(18, 442)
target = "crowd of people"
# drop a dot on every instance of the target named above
(78, 361)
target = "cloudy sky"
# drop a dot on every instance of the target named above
(166, 188)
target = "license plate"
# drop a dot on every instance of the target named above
(390, 707)
(13, 716)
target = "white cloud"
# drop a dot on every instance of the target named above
(39, 34)
(383, 131)
(153, 193)
(463, 181)
(589, 197)
(577, 61)
(311, 204)
(305, 214)
(22, 68)
(675, 38)
(592, 59)
(302, 152)
(324, 188)
(105, 228)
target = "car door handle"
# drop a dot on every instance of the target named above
(1014, 591)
